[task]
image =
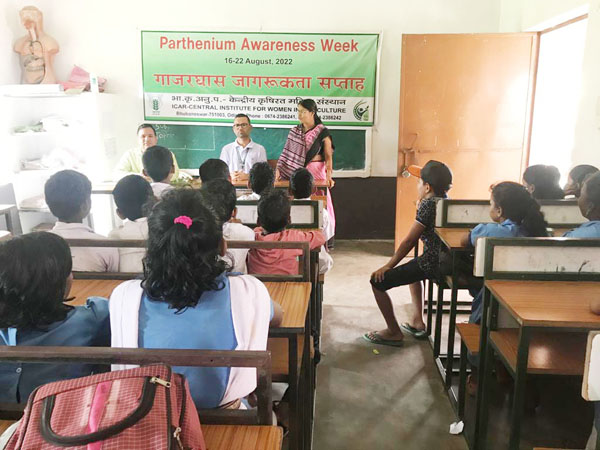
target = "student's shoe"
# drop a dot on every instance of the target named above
(419, 334)
(374, 338)
(331, 243)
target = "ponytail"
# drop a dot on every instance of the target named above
(533, 222)
(182, 261)
(520, 207)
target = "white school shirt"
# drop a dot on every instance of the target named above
(243, 158)
(325, 259)
(237, 257)
(88, 259)
(253, 196)
(160, 189)
(327, 227)
(130, 259)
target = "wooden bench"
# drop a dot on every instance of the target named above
(469, 335)
(304, 214)
(454, 219)
(234, 435)
(291, 291)
(456, 213)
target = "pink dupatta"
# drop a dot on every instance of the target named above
(295, 149)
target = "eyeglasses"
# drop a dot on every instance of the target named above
(241, 125)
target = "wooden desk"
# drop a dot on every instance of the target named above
(82, 289)
(554, 304)
(107, 187)
(452, 237)
(292, 296)
(228, 437)
(541, 308)
(281, 184)
(242, 437)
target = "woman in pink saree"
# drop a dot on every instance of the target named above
(309, 145)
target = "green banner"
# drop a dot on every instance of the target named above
(211, 77)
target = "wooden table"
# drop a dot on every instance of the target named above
(228, 437)
(242, 437)
(452, 238)
(541, 308)
(108, 186)
(292, 296)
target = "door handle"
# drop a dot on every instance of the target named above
(405, 151)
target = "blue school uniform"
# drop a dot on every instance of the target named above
(506, 229)
(84, 326)
(588, 230)
(208, 325)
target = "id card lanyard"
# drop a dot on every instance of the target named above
(243, 161)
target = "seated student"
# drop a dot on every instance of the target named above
(576, 177)
(158, 165)
(515, 214)
(435, 180)
(220, 195)
(589, 204)
(212, 169)
(188, 300)
(35, 280)
(69, 197)
(542, 182)
(301, 188)
(261, 178)
(133, 195)
(273, 218)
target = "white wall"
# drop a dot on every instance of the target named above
(103, 37)
(517, 15)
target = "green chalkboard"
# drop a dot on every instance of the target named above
(194, 144)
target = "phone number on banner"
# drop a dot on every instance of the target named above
(260, 108)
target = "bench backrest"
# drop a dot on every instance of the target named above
(469, 213)
(304, 213)
(555, 259)
(303, 272)
(260, 360)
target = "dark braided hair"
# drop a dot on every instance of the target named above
(181, 264)
(519, 206)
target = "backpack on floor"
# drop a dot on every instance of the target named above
(142, 408)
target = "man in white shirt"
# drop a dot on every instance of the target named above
(131, 161)
(220, 197)
(158, 165)
(242, 153)
(69, 197)
(133, 197)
